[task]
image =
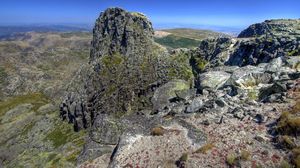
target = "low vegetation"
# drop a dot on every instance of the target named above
(288, 127)
(3, 75)
(231, 159)
(36, 99)
(245, 155)
(173, 41)
(293, 53)
(59, 145)
(158, 131)
(289, 121)
(204, 149)
(197, 34)
(180, 68)
(184, 157)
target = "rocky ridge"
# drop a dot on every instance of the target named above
(209, 106)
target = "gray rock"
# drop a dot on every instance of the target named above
(212, 80)
(195, 105)
(275, 88)
(276, 97)
(259, 118)
(187, 135)
(167, 92)
(274, 65)
(106, 130)
(249, 77)
(238, 113)
(186, 94)
(294, 62)
(178, 109)
(93, 150)
(220, 102)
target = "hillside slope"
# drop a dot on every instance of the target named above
(34, 70)
(184, 37)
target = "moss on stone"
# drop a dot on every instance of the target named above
(180, 67)
(113, 60)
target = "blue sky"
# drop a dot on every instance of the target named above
(234, 13)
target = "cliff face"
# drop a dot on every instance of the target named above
(125, 61)
(122, 32)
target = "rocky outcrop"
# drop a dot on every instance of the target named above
(125, 68)
(166, 93)
(119, 31)
(272, 27)
(213, 80)
(257, 44)
(138, 98)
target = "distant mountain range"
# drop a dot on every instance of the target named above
(6, 31)
(233, 31)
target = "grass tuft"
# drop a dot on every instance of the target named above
(204, 149)
(158, 131)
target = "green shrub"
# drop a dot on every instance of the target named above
(200, 63)
(245, 155)
(231, 159)
(289, 122)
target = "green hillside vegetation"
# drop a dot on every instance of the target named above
(186, 38)
(194, 33)
(172, 41)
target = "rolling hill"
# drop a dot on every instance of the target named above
(184, 37)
